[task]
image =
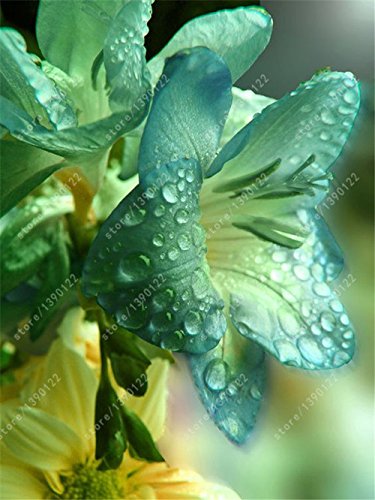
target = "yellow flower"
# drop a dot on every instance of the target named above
(47, 436)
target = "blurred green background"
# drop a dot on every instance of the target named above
(328, 453)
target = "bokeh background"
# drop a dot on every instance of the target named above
(328, 453)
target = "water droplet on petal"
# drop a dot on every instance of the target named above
(328, 321)
(134, 267)
(301, 272)
(173, 254)
(169, 193)
(336, 306)
(348, 334)
(325, 136)
(315, 329)
(288, 321)
(159, 211)
(215, 375)
(158, 240)
(321, 289)
(344, 319)
(193, 323)
(182, 216)
(310, 350)
(287, 352)
(183, 242)
(327, 117)
(327, 342)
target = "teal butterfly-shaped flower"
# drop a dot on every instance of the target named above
(219, 252)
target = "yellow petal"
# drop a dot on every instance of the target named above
(40, 440)
(18, 483)
(172, 484)
(152, 408)
(81, 336)
(65, 387)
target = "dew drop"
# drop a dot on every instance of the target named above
(193, 323)
(321, 289)
(350, 97)
(327, 117)
(301, 272)
(181, 186)
(134, 267)
(310, 350)
(279, 256)
(328, 321)
(325, 136)
(135, 218)
(189, 176)
(173, 254)
(345, 110)
(288, 321)
(159, 211)
(315, 329)
(327, 342)
(158, 240)
(255, 392)
(317, 272)
(348, 334)
(164, 299)
(276, 275)
(169, 193)
(183, 242)
(181, 216)
(287, 352)
(215, 375)
(344, 319)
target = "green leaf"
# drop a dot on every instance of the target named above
(141, 444)
(239, 36)
(110, 430)
(27, 237)
(23, 168)
(129, 363)
(54, 276)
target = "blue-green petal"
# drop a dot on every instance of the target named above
(24, 83)
(304, 132)
(71, 34)
(147, 266)
(125, 56)
(230, 380)
(192, 100)
(239, 36)
(283, 300)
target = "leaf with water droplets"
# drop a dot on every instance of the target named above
(192, 100)
(282, 300)
(238, 35)
(125, 56)
(230, 380)
(147, 266)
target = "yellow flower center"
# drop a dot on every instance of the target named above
(89, 482)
